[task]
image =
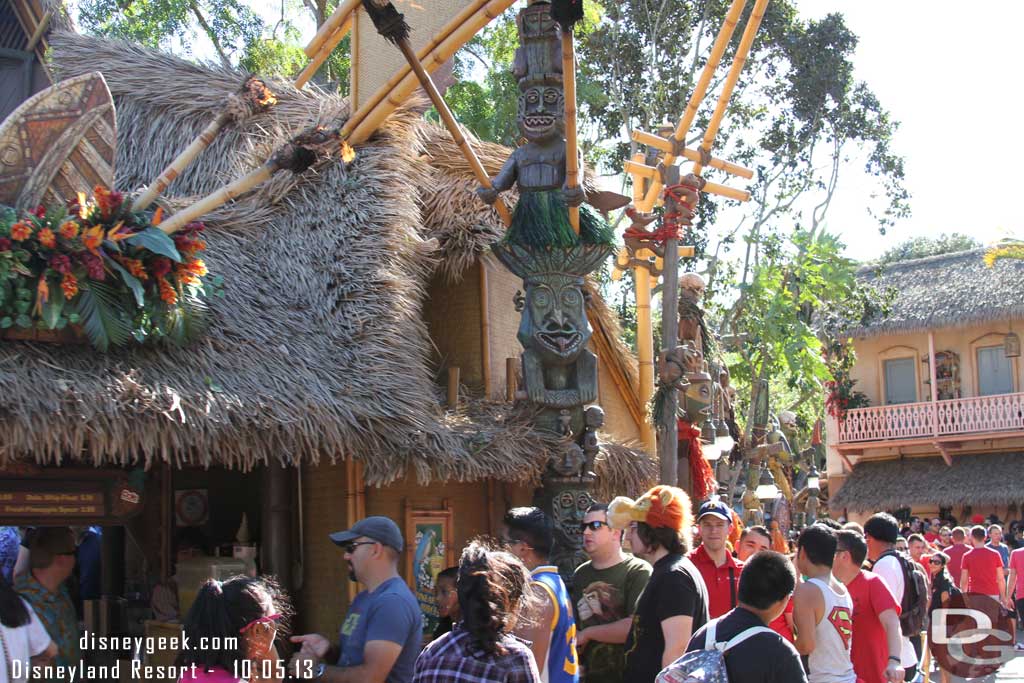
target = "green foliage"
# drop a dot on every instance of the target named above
(920, 247)
(103, 320)
(156, 241)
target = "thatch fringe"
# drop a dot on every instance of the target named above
(946, 291)
(983, 479)
(318, 348)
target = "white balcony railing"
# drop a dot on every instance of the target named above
(978, 414)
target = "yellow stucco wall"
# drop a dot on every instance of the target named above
(871, 353)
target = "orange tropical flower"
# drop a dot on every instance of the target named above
(93, 238)
(197, 267)
(167, 293)
(133, 266)
(47, 238)
(21, 231)
(83, 206)
(42, 295)
(158, 216)
(69, 285)
(113, 234)
(69, 230)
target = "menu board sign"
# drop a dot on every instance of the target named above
(66, 495)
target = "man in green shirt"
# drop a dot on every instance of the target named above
(605, 591)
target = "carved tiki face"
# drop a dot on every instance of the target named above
(697, 396)
(541, 113)
(554, 322)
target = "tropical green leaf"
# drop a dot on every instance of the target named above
(23, 320)
(53, 307)
(130, 280)
(157, 241)
(6, 321)
(102, 316)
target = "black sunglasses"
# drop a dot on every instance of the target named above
(351, 547)
(593, 526)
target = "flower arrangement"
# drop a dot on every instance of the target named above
(98, 267)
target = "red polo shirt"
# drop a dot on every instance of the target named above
(717, 579)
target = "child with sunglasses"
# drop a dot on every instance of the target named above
(231, 629)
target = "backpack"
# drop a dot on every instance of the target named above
(707, 665)
(914, 606)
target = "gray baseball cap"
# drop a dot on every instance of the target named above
(380, 529)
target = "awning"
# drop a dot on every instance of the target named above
(983, 479)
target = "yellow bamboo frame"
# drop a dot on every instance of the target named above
(645, 350)
(327, 47)
(717, 50)
(341, 15)
(651, 173)
(219, 198)
(572, 175)
(658, 142)
(749, 33)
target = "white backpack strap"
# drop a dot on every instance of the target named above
(709, 635)
(740, 637)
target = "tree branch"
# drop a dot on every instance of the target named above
(194, 6)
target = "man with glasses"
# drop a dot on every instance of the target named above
(551, 629)
(381, 634)
(605, 592)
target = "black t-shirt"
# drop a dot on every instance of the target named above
(762, 658)
(675, 589)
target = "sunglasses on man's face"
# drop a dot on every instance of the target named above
(593, 526)
(351, 547)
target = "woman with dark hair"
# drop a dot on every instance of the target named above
(943, 588)
(23, 638)
(493, 587)
(232, 626)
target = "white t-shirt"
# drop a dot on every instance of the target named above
(22, 643)
(889, 569)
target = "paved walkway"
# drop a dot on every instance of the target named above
(1012, 672)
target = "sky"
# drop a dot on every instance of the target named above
(948, 73)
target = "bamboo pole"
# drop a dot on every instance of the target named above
(453, 388)
(453, 127)
(651, 173)
(749, 33)
(572, 179)
(485, 330)
(511, 370)
(218, 198)
(388, 98)
(41, 27)
(422, 54)
(658, 142)
(325, 51)
(645, 348)
(701, 89)
(341, 15)
(258, 97)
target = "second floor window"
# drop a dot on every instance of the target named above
(900, 381)
(995, 371)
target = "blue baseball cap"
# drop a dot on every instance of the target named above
(380, 529)
(714, 506)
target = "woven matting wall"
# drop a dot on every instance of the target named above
(376, 60)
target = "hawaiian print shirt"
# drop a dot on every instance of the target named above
(57, 613)
(10, 542)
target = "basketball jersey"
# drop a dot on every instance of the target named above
(830, 661)
(561, 665)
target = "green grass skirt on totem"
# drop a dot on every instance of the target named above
(541, 219)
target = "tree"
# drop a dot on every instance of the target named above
(238, 35)
(920, 247)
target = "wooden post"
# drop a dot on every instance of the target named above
(932, 372)
(645, 348)
(452, 125)
(571, 150)
(668, 446)
(453, 388)
(485, 330)
(511, 378)
(320, 57)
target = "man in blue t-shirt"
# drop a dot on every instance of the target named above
(381, 634)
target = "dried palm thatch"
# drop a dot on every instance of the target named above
(949, 290)
(318, 348)
(984, 479)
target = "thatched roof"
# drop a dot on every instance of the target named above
(318, 349)
(985, 479)
(949, 290)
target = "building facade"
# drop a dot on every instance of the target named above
(943, 434)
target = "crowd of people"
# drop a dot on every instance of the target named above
(845, 604)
